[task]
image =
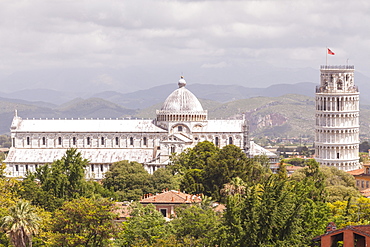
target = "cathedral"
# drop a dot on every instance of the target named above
(181, 123)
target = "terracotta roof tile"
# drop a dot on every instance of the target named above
(171, 196)
(356, 172)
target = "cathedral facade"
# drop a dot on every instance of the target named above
(181, 123)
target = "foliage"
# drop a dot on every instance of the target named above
(128, 179)
(276, 212)
(21, 223)
(83, 222)
(339, 185)
(53, 184)
(364, 147)
(296, 161)
(205, 168)
(162, 179)
(144, 228)
(350, 212)
(198, 223)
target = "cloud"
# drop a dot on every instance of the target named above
(119, 34)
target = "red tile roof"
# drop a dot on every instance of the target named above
(356, 172)
(122, 209)
(365, 192)
(170, 196)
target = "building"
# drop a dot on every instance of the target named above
(349, 236)
(168, 200)
(337, 118)
(181, 123)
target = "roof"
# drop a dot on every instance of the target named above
(95, 156)
(86, 125)
(356, 172)
(182, 100)
(221, 125)
(171, 197)
(365, 192)
(255, 149)
(360, 229)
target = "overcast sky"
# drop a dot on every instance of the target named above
(130, 42)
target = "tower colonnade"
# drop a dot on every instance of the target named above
(337, 118)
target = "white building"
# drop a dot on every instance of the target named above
(181, 123)
(337, 118)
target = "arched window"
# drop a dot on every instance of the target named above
(216, 141)
(172, 149)
(131, 141)
(28, 140)
(230, 140)
(102, 141)
(117, 141)
(59, 140)
(44, 141)
(74, 140)
(88, 141)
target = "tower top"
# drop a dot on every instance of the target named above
(337, 67)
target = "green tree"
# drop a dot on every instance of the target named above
(128, 179)
(83, 222)
(21, 223)
(276, 212)
(144, 228)
(62, 180)
(338, 184)
(162, 179)
(197, 224)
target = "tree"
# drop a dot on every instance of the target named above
(162, 179)
(338, 184)
(144, 228)
(128, 179)
(83, 222)
(197, 224)
(53, 184)
(21, 223)
(276, 212)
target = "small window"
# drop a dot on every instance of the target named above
(131, 141)
(338, 155)
(101, 168)
(230, 140)
(102, 141)
(144, 141)
(172, 150)
(88, 140)
(340, 85)
(16, 168)
(216, 141)
(13, 142)
(26, 167)
(117, 141)
(92, 168)
(28, 141)
(74, 140)
(164, 212)
(43, 141)
(36, 166)
(59, 140)
(179, 128)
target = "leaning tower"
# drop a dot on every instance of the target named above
(337, 118)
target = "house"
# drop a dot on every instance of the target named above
(168, 200)
(350, 236)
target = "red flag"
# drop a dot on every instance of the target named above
(330, 52)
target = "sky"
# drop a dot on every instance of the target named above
(129, 45)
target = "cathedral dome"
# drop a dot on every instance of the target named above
(182, 100)
(181, 105)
